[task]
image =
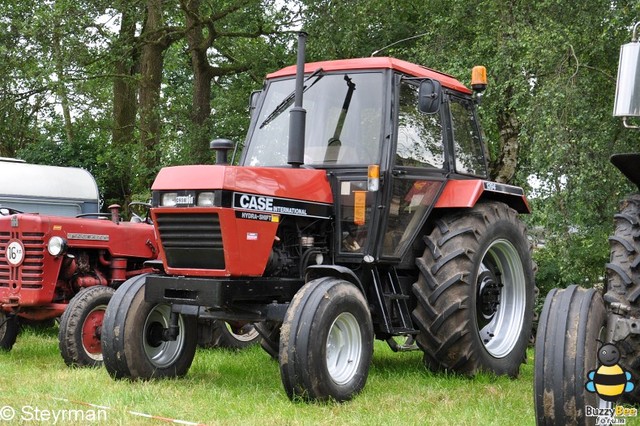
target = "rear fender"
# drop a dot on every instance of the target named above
(629, 165)
(466, 193)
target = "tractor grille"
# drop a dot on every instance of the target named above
(30, 272)
(192, 241)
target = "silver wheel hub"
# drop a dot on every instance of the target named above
(344, 348)
(501, 298)
(162, 353)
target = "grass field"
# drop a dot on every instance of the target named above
(243, 388)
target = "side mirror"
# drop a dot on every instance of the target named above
(430, 96)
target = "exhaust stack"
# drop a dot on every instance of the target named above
(298, 115)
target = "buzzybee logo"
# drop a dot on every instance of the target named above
(609, 380)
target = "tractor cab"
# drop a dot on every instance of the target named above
(389, 134)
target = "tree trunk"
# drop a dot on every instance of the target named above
(124, 105)
(504, 168)
(202, 77)
(151, 63)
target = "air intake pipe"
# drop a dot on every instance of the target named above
(298, 115)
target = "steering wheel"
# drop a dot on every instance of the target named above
(145, 216)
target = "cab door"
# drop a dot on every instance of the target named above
(417, 171)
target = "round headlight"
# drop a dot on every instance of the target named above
(206, 199)
(57, 246)
(169, 199)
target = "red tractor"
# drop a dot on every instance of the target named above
(360, 209)
(588, 342)
(63, 257)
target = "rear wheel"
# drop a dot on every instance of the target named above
(623, 280)
(270, 337)
(8, 331)
(326, 341)
(475, 292)
(566, 350)
(227, 335)
(81, 327)
(133, 340)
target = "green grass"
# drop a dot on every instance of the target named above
(230, 388)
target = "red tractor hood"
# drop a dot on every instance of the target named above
(299, 184)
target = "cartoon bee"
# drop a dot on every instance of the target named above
(610, 380)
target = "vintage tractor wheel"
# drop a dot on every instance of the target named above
(223, 334)
(623, 280)
(475, 292)
(326, 341)
(133, 344)
(571, 323)
(81, 327)
(9, 329)
(270, 337)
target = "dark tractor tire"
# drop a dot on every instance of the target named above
(475, 292)
(623, 281)
(270, 337)
(132, 342)
(326, 342)
(9, 329)
(226, 335)
(81, 327)
(566, 350)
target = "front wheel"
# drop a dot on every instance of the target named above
(81, 327)
(134, 341)
(326, 341)
(9, 329)
(475, 292)
(566, 350)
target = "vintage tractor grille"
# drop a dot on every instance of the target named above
(30, 272)
(191, 240)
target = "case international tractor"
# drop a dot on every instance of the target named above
(60, 257)
(360, 209)
(576, 324)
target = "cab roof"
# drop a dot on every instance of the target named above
(376, 63)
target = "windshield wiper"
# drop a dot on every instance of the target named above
(288, 101)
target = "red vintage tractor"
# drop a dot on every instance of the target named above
(583, 330)
(360, 209)
(64, 259)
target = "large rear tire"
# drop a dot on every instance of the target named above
(475, 292)
(81, 327)
(326, 341)
(623, 281)
(132, 342)
(9, 329)
(566, 350)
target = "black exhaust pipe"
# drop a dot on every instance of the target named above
(298, 115)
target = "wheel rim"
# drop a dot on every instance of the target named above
(246, 333)
(91, 332)
(162, 353)
(501, 298)
(344, 348)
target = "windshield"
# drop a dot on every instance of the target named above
(344, 119)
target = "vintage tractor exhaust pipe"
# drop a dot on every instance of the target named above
(298, 115)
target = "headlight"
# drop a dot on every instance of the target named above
(57, 246)
(206, 199)
(169, 199)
